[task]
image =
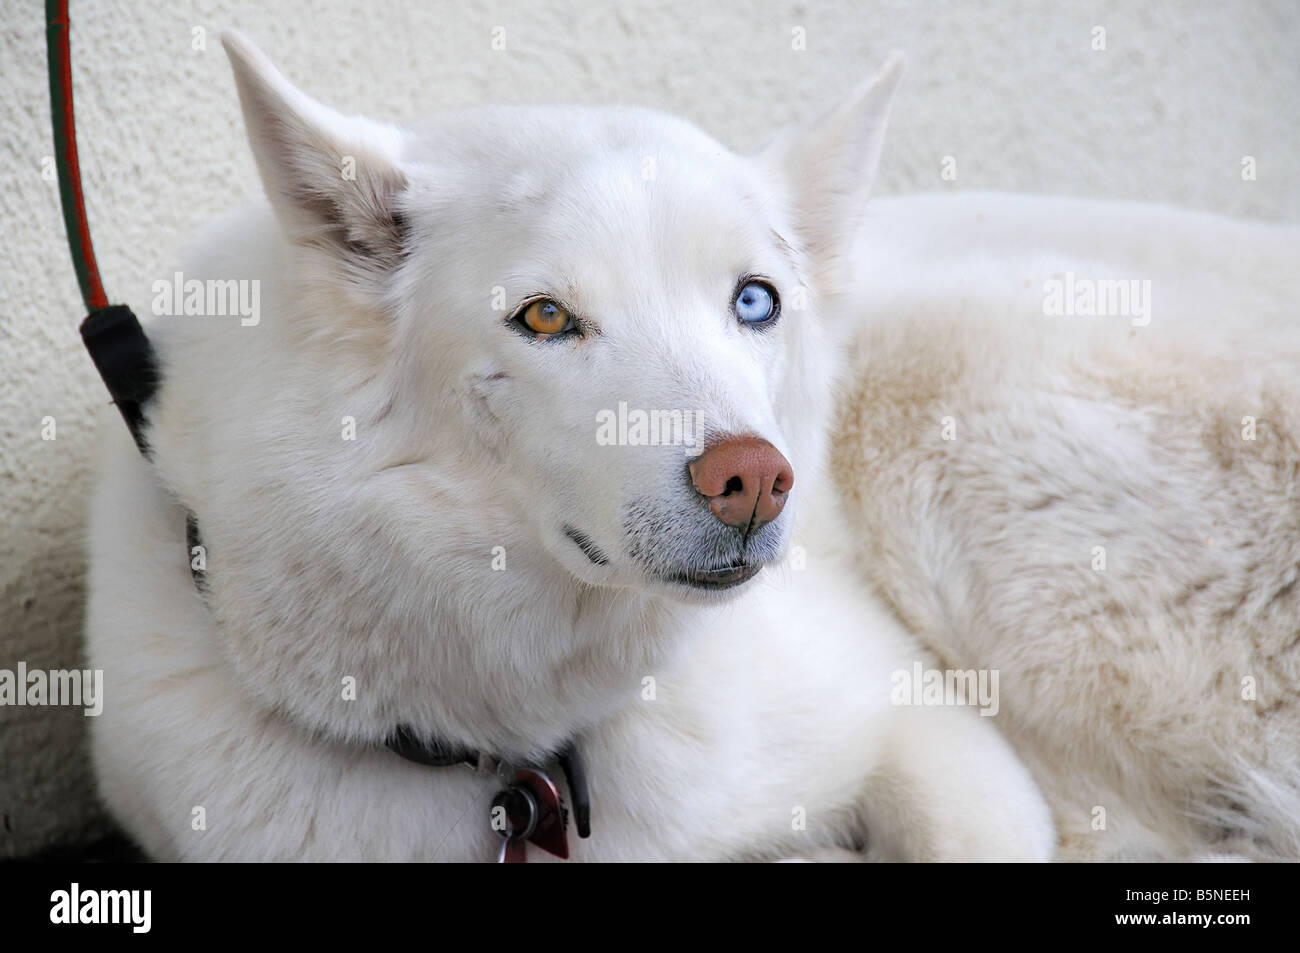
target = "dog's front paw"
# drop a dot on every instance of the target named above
(953, 790)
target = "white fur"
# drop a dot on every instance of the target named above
(1124, 688)
(373, 559)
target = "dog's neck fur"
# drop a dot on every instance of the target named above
(409, 639)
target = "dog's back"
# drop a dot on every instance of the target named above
(1104, 507)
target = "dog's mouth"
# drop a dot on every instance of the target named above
(722, 577)
(713, 579)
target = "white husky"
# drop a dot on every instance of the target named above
(527, 446)
(469, 300)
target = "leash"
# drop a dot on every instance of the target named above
(529, 809)
(117, 344)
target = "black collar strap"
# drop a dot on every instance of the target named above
(431, 752)
(434, 752)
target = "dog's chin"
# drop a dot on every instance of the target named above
(724, 574)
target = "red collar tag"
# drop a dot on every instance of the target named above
(530, 810)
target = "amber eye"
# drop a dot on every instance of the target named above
(544, 318)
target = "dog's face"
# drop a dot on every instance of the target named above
(615, 319)
(617, 299)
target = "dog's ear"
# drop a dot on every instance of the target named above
(333, 180)
(828, 166)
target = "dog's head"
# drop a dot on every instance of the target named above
(617, 319)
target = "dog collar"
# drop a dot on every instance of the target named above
(528, 809)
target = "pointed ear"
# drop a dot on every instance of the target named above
(828, 166)
(333, 180)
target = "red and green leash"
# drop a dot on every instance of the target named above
(116, 342)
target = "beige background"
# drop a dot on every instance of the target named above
(1013, 90)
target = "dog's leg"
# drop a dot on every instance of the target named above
(949, 788)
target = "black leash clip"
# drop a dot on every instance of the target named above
(126, 361)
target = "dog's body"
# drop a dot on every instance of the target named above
(475, 566)
(1115, 521)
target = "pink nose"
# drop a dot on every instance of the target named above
(745, 479)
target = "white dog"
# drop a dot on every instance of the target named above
(526, 445)
(426, 498)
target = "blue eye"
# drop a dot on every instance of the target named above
(756, 303)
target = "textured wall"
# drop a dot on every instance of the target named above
(1012, 90)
